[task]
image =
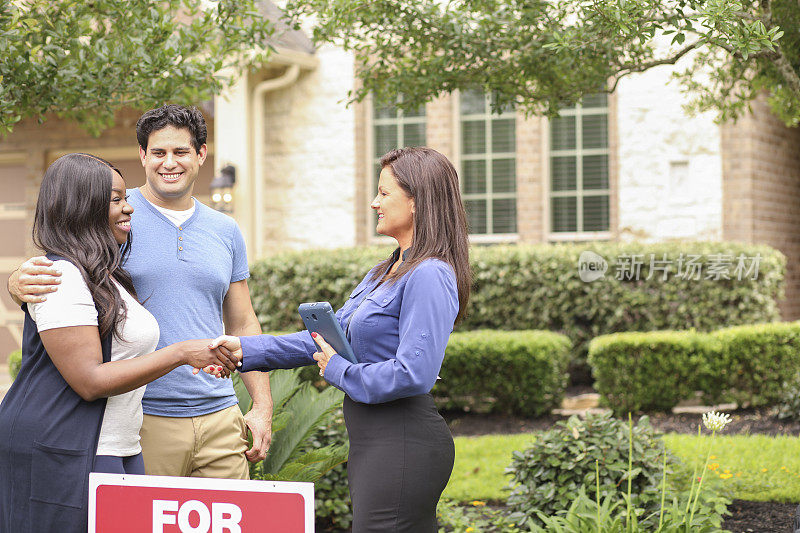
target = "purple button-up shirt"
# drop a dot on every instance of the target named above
(398, 333)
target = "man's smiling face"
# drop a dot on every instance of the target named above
(171, 166)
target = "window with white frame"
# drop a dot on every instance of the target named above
(488, 165)
(392, 128)
(579, 186)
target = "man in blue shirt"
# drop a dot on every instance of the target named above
(189, 267)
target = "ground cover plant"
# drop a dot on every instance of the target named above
(768, 467)
(692, 496)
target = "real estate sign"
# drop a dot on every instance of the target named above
(122, 503)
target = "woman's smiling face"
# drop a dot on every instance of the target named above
(395, 209)
(119, 212)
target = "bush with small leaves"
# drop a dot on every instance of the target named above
(547, 476)
(538, 287)
(654, 370)
(512, 372)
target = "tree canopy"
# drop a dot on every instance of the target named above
(84, 59)
(542, 55)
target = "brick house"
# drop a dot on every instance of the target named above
(628, 166)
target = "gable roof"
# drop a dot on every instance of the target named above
(285, 36)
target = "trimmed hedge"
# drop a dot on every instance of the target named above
(280, 283)
(653, 371)
(537, 287)
(517, 372)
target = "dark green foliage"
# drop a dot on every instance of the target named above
(298, 409)
(85, 60)
(519, 372)
(755, 361)
(14, 362)
(280, 283)
(542, 55)
(537, 287)
(547, 476)
(655, 370)
(333, 509)
(649, 371)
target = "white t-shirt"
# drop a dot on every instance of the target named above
(72, 305)
(174, 216)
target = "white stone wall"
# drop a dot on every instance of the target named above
(670, 164)
(232, 146)
(309, 158)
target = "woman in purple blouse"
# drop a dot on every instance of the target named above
(398, 320)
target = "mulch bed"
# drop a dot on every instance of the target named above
(745, 517)
(743, 422)
(759, 517)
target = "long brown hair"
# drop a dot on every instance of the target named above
(72, 221)
(440, 222)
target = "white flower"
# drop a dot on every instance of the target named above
(715, 421)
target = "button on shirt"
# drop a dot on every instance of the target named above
(398, 332)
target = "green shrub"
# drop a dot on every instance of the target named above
(547, 476)
(537, 287)
(755, 361)
(653, 371)
(14, 362)
(789, 404)
(279, 283)
(518, 372)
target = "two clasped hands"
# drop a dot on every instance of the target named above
(231, 348)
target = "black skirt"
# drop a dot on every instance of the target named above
(401, 457)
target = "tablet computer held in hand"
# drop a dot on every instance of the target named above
(319, 317)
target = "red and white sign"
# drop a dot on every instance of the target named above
(122, 503)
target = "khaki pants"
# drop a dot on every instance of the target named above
(211, 445)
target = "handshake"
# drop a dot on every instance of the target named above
(218, 357)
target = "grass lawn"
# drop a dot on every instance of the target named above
(756, 467)
(480, 463)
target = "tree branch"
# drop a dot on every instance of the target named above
(788, 72)
(640, 67)
(630, 68)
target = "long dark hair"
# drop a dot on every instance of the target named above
(72, 221)
(440, 222)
